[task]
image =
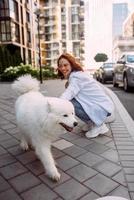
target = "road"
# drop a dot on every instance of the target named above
(127, 99)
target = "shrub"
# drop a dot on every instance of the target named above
(11, 73)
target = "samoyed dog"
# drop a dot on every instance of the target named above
(41, 120)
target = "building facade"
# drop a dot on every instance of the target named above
(62, 29)
(17, 28)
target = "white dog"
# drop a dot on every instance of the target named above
(41, 120)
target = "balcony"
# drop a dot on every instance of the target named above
(123, 42)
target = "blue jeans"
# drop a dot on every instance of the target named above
(79, 111)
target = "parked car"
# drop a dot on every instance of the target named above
(105, 73)
(123, 73)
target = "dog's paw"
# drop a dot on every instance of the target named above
(55, 176)
(24, 146)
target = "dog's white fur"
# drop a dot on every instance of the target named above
(39, 119)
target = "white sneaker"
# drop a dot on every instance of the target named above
(97, 130)
(87, 126)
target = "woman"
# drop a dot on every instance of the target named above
(89, 99)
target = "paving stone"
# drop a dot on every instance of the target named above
(126, 152)
(16, 150)
(4, 136)
(66, 162)
(131, 187)
(128, 170)
(74, 151)
(12, 170)
(126, 147)
(36, 167)
(8, 126)
(9, 143)
(71, 190)
(40, 192)
(9, 195)
(132, 195)
(90, 159)
(101, 184)
(90, 196)
(102, 140)
(120, 192)
(70, 136)
(128, 163)
(127, 157)
(6, 159)
(52, 184)
(111, 155)
(4, 185)
(81, 172)
(82, 142)
(130, 178)
(96, 148)
(111, 145)
(108, 168)
(2, 150)
(57, 153)
(119, 177)
(62, 144)
(27, 157)
(24, 182)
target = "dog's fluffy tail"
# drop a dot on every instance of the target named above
(25, 84)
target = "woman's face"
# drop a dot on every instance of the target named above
(64, 67)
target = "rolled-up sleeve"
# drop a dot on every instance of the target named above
(72, 90)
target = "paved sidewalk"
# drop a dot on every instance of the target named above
(90, 168)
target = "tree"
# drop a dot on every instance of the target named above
(101, 57)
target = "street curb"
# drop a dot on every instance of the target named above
(126, 118)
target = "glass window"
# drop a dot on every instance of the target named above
(4, 8)
(5, 30)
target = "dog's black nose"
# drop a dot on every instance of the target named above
(75, 123)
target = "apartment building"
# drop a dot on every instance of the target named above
(61, 29)
(17, 28)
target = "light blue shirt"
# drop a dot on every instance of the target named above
(90, 95)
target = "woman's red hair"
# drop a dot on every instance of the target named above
(75, 65)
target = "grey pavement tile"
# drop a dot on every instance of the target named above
(101, 184)
(90, 159)
(9, 143)
(2, 150)
(121, 139)
(126, 147)
(74, 151)
(127, 163)
(96, 148)
(127, 157)
(102, 140)
(36, 167)
(70, 136)
(71, 190)
(4, 136)
(120, 191)
(16, 150)
(12, 170)
(57, 153)
(111, 155)
(6, 159)
(8, 126)
(9, 195)
(62, 144)
(119, 177)
(81, 172)
(130, 178)
(128, 170)
(3, 121)
(90, 196)
(27, 157)
(66, 162)
(131, 187)
(2, 131)
(82, 142)
(111, 145)
(13, 131)
(4, 185)
(107, 168)
(24, 182)
(122, 143)
(40, 192)
(132, 195)
(52, 184)
(126, 152)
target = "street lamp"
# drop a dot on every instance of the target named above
(38, 12)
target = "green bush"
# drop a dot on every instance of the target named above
(11, 73)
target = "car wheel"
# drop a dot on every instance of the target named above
(103, 80)
(125, 84)
(114, 82)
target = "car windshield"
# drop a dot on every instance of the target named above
(108, 65)
(130, 58)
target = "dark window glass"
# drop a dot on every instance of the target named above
(5, 30)
(4, 8)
